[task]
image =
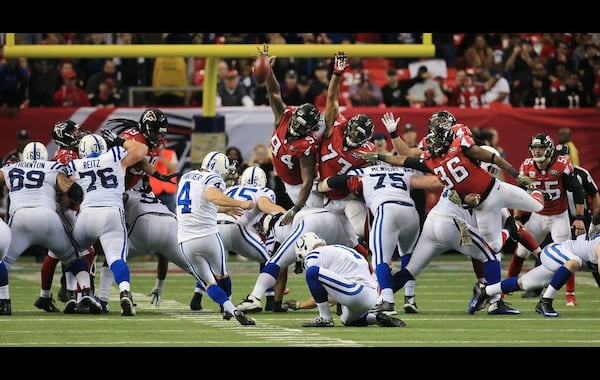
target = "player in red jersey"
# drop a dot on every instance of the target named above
(294, 146)
(454, 157)
(341, 144)
(554, 174)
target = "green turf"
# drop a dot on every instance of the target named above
(443, 292)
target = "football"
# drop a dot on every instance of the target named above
(261, 69)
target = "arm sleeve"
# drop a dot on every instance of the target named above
(417, 164)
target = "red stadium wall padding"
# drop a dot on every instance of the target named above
(247, 127)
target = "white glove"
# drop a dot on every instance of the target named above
(155, 294)
(390, 123)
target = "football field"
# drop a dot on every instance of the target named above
(443, 293)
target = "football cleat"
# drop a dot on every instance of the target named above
(570, 300)
(127, 305)
(47, 304)
(385, 320)
(319, 322)
(544, 307)
(196, 302)
(5, 307)
(243, 319)
(410, 305)
(478, 298)
(501, 308)
(385, 307)
(250, 304)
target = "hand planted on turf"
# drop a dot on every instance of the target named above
(155, 294)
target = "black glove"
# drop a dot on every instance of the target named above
(165, 177)
(112, 139)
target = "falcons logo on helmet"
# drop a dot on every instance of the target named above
(149, 116)
(59, 129)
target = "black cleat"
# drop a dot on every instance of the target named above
(127, 305)
(243, 319)
(410, 305)
(385, 320)
(47, 304)
(5, 307)
(544, 307)
(196, 302)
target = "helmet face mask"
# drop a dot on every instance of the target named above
(218, 162)
(67, 134)
(35, 151)
(359, 129)
(543, 141)
(438, 144)
(441, 120)
(92, 145)
(306, 243)
(153, 126)
(254, 176)
(304, 120)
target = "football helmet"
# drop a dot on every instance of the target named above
(153, 126)
(255, 176)
(66, 134)
(304, 120)
(306, 243)
(438, 143)
(359, 130)
(440, 121)
(35, 151)
(218, 162)
(92, 145)
(544, 141)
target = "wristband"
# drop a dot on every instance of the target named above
(394, 134)
(337, 74)
(513, 172)
(578, 217)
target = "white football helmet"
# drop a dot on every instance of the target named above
(92, 145)
(217, 162)
(306, 243)
(255, 176)
(35, 151)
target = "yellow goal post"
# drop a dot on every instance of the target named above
(213, 53)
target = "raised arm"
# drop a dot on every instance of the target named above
(273, 87)
(332, 106)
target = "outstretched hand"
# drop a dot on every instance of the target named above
(390, 123)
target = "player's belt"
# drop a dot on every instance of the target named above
(401, 203)
(225, 222)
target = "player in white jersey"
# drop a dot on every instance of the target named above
(200, 193)
(101, 173)
(559, 262)
(151, 226)
(318, 220)
(238, 232)
(33, 184)
(386, 192)
(343, 274)
(451, 226)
